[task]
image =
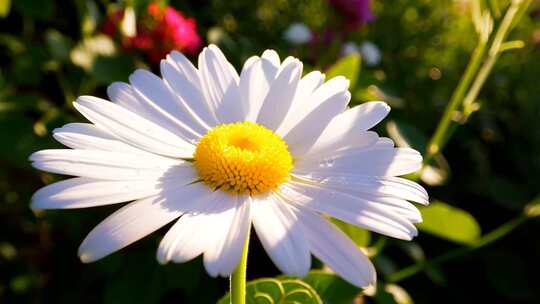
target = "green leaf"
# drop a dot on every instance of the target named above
(27, 66)
(449, 223)
(110, 69)
(274, 291)
(331, 288)
(59, 45)
(5, 6)
(361, 237)
(16, 129)
(348, 66)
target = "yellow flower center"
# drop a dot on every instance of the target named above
(242, 158)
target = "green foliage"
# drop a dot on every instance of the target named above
(53, 51)
(348, 66)
(331, 288)
(59, 45)
(5, 6)
(274, 291)
(361, 237)
(38, 9)
(450, 223)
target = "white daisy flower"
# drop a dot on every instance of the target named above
(217, 151)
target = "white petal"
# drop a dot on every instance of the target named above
(132, 128)
(188, 92)
(185, 67)
(123, 95)
(217, 76)
(232, 109)
(306, 86)
(367, 115)
(333, 87)
(393, 204)
(133, 100)
(105, 165)
(85, 192)
(231, 229)
(255, 81)
(249, 62)
(385, 142)
(384, 186)
(86, 136)
(354, 210)
(194, 232)
(271, 56)
(348, 128)
(286, 62)
(158, 99)
(281, 236)
(336, 250)
(280, 96)
(333, 140)
(138, 219)
(304, 135)
(378, 160)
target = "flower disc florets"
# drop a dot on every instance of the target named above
(243, 158)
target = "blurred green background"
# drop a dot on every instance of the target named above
(53, 51)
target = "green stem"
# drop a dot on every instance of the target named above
(493, 54)
(475, 74)
(238, 277)
(487, 239)
(440, 136)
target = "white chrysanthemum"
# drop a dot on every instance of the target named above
(218, 151)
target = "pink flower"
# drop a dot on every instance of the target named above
(356, 12)
(162, 30)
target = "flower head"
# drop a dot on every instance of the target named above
(160, 31)
(219, 152)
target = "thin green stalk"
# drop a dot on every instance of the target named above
(439, 137)
(493, 54)
(487, 239)
(238, 277)
(477, 75)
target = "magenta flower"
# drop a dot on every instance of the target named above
(162, 30)
(356, 12)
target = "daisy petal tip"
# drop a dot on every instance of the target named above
(36, 204)
(173, 53)
(86, 257)
(382, 104)
(303, 273)
(347, 83)
(162, 64)
(271, 55)
(212, 46)
(137, 75)
(212, 273)
(32, 157)
(161, 259)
